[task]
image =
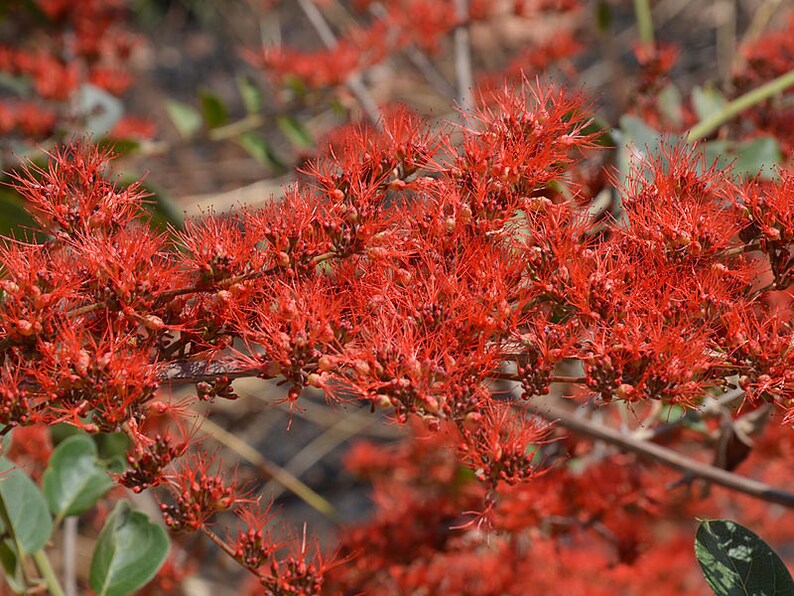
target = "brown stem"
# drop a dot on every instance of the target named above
(503, 376)
(219, 542)
(192, 371)
(665, 456)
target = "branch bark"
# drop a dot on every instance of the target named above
(660, 454)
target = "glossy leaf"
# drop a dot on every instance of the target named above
(75, 479)
(24, 507)
(186, 119)
(736, 561)
(213, 109)
(128, 553)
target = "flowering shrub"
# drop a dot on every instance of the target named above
(469, 281)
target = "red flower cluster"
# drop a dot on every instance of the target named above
(599, 523)
(408, 272)
(396, 25)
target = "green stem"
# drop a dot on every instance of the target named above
(247, 124)
(707, 126)
(642, 9)
(43, 563)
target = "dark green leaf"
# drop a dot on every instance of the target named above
(128, 553)
(13, 216)
(24, 507)
(258, 147)
(112, 445)
(119, 147)
(159, 206)
(12, 573)
(249, 91)
(8, 557)
(737, 562)
(213, 109)
(603, 16)
(186, 119)
(295, 132)
(75, 479)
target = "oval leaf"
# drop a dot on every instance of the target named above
(185, 118)
(257, 147)
(297, 134)
(129, 552)
(25, 508)
(736, 561)
(75, 479)
(214, 110)
(250, 93)
(707, 102)
(758, 157)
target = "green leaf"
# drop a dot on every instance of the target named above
(670, 104)
(213, 109)
(13, 216)
(128, 553)
(250, 93)
(112, 446)
(8, 557)
(24, 508)
(75, 479)
(100, 110)
(12, 572)
(258, 147)
(604, 16)
(162, 209)
(119, 147)
(18, 85)
(638, 140)
(736, 561)
(186, 119)
(759, 156)
(297, 134)
(707, 102)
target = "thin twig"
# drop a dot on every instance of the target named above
(354, 82)
(744, 102)
(219, 542)
(419, 59)
(47, 573)
(665, 456)
(642, 10)
(315, 450)
(463, 68)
